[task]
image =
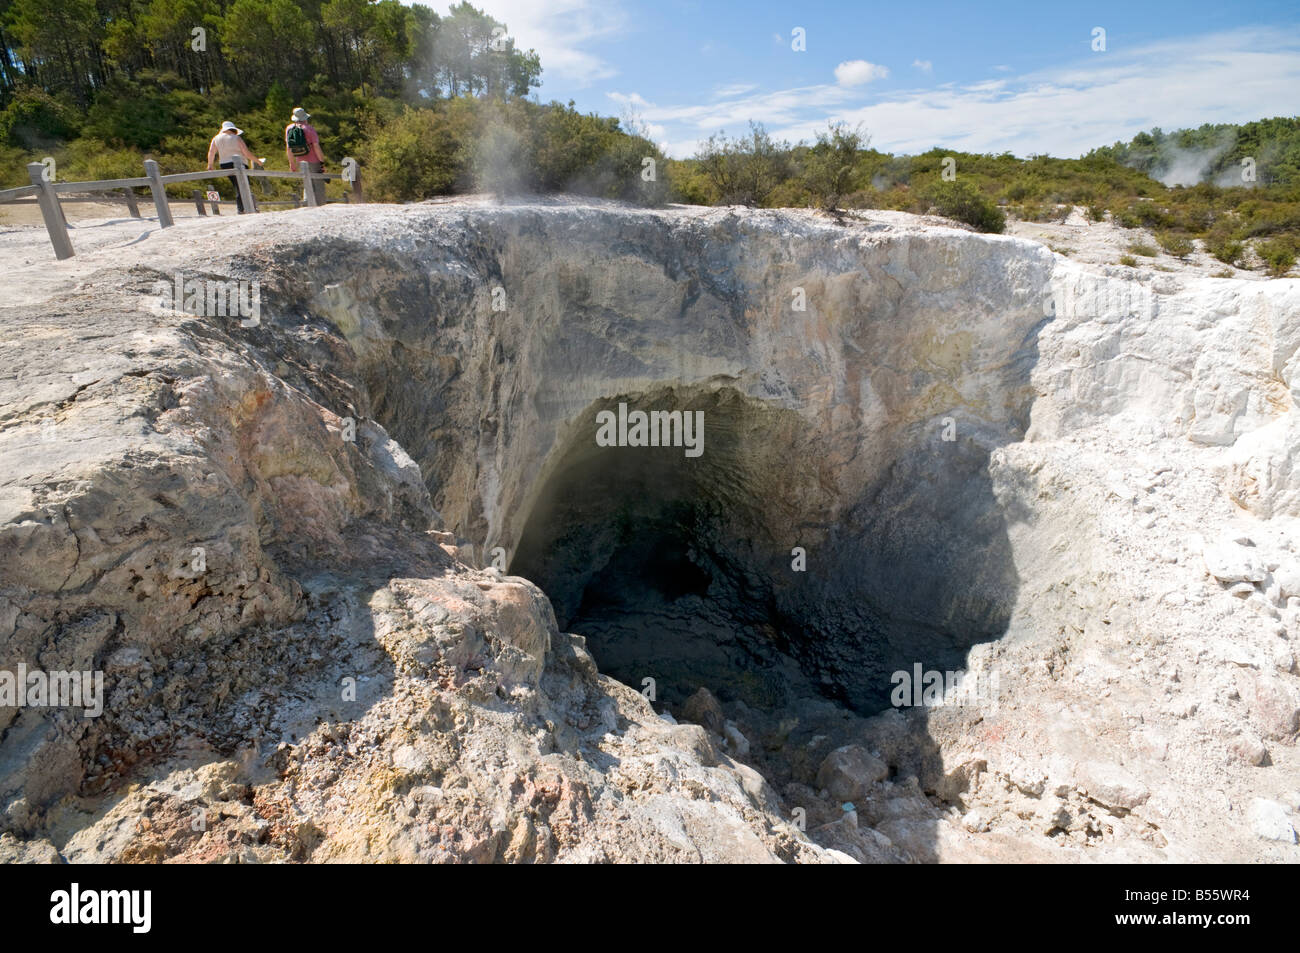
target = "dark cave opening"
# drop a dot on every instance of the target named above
(684, 570)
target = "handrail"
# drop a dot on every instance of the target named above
(101, 185)
(8, 195)
(104, 185)
(271, 174)
(252, 173)
(47, 193)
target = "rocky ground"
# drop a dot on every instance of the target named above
(1114, 533)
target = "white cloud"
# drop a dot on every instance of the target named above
(735, 89)
(857, 72)
(563, 33)
(780, 108)
(925, 66)
(628, 99)
(1065, 111)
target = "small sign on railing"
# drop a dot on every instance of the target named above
(214, 196)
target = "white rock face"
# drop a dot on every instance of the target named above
(1229, 562)
(995, 459)
(1270, 822)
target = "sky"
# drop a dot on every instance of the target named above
(976, 76)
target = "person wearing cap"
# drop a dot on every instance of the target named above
(225, 145)
(302, 145)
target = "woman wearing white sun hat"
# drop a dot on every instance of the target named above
(225, 145)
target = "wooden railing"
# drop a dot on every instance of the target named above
(46, 194)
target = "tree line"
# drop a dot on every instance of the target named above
(105, 67)
(434, 104)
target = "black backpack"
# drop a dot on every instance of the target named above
(296, 139)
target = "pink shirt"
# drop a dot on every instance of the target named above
(313, 144)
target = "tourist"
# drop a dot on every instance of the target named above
(225, 145)
(302, 146)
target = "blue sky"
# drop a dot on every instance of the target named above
(982, 77)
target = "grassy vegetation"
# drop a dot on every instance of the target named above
(433, 104)
(982, 190)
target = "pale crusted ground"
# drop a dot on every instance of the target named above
(1146, 705)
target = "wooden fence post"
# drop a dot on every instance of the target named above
(54, 221)
(159, 194)
(356, 186)
(308, 186)
(241, 178)
(197, 196)
(131, 205)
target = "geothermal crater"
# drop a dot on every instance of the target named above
(695, 572)
(922, 448)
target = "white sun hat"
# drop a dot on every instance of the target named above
(228, 125)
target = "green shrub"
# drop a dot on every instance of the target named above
(685, 179)
(509, 147)
(420, 154)
(746, 171)
(1180, 246)
(1126, 219)
(1151, 215)
(1035, 212)
(1096, 213)
(1019, 190)
(829, 166)
(1222, 247)
(960, 200)
(1128, 260)
(1279, 255)
(1146, 251)
(36, 120)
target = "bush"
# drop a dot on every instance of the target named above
(745, 171)
(1128, 260)
(1177, 245)
(965, 203)
(1126, 219)
(1035, 212)
(1224, 248)
(828, 170)
(512, 147)
(1146, 251)
(1279, 255)
(1096, 213)
(1151, 215)
(422, 153)
(1019, 190)
(36, 120)
(685, 179)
